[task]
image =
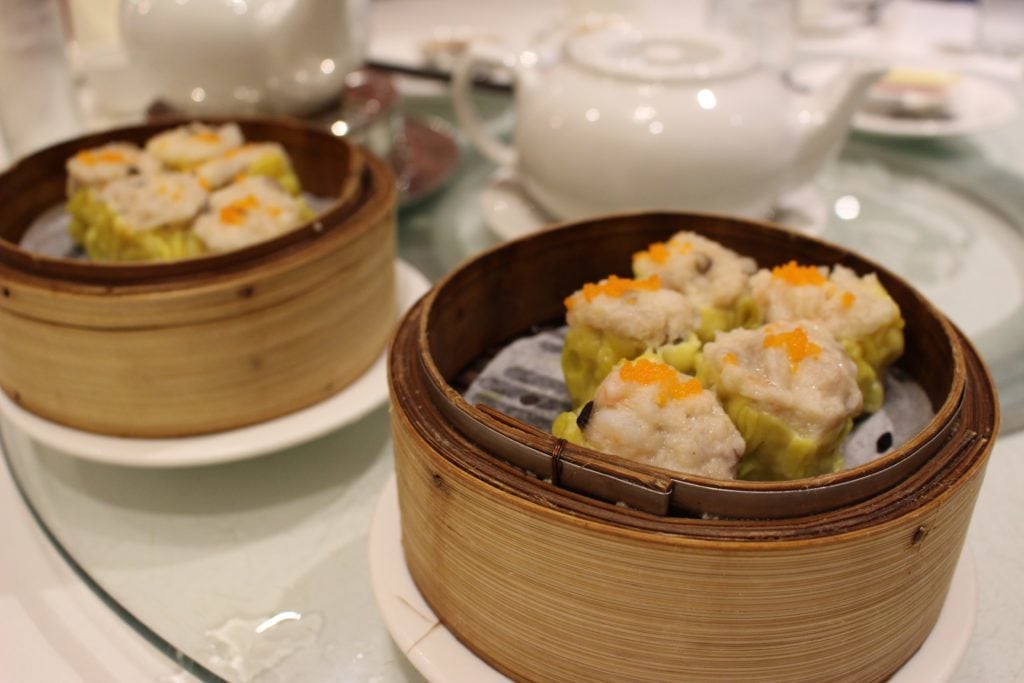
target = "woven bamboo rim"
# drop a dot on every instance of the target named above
(211, 343)
(547, 584)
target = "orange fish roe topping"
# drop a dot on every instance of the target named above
(796, 345)
(615, 287)
(274, 211)
(204, 183)
(234, 213)
(91, 158)
(794, 274)
(730, 358)
(657, 252)
(671, 385)
(249, 201)
(847, 299)
(211, 138)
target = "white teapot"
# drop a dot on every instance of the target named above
(245, 56)
(618, 119)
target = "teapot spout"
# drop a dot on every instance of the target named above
(822, 118)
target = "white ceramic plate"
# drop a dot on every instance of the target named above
(976, 104)
(356, 400)
(441, 658)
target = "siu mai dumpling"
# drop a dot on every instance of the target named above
(619, 318)
(252, 159)
(138, 218)
(791, 390)
(647, 411)
(186, 147)
(714, 278)
(246, 212)
(95, 167)
(855, 309)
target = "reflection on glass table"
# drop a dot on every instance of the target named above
(257, 570)
(252, 571)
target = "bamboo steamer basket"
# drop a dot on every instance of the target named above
(552, 563)
(167, 349)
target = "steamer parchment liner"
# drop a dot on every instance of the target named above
(502, 297)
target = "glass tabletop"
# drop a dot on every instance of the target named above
(257, 570)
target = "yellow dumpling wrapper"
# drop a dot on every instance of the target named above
(873, 355)
(775, 451)
(278, 168)
(713, 320)
(589, 355)
(102, 234)
(566, 427)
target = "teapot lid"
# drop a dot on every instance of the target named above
(628, 52)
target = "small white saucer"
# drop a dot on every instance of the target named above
(803, 210)
(367, 392)
(511, 213)
(508, 210)
(976, 104)
(441, 658)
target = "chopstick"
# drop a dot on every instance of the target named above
(434, 74)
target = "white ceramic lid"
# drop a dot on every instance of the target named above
(631, 53)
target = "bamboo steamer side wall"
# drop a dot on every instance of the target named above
(546, 596)
(213, 365)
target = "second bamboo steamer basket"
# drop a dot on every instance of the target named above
(549, 577)
(203, 344)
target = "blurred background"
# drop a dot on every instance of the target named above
(891, 127)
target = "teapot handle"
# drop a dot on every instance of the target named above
(469, 120)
